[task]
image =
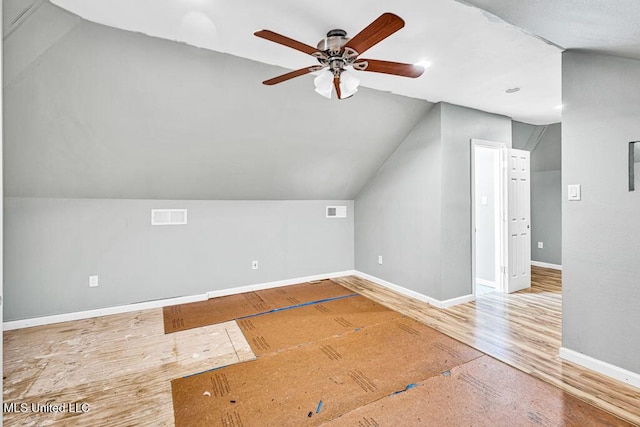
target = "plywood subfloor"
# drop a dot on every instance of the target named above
(282, 330)
(522, 329)
(355, 373)
(120, 365)
(482, 392)
(215, 310)
(343, 372)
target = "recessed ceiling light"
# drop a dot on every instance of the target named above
(512, 90)
(423, 63)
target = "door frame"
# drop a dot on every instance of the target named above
(501, 228)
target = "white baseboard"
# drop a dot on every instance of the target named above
(78, 315)
(484, 282)
(413, 294)
(58, 318)
(546, 265)
(278, 283)
(456, 301)
(601, 367)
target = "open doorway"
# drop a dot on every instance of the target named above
(487, 207)
(501, 218)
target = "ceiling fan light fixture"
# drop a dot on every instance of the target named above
(324, 83)
(348, 83)
(336, 52)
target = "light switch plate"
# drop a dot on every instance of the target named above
(574, 192)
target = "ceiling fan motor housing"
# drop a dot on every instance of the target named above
(333, 43)
(332, 53)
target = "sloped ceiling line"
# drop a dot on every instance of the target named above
(38, 28)
(492, 15)
(475, 56)
(535, 138)
(22, 16)
(605, 26)
(114, 114)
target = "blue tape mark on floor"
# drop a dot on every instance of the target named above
(408, 387)
(319, 407)
(304, 304)
(215, 369)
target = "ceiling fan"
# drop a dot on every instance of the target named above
(337, 51)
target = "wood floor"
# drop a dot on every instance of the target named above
(522, 329)
(121, 365)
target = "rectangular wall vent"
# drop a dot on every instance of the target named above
(336, 211)
(168, 216)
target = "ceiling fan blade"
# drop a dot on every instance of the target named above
(336, 84)
(374, 33)
(290, 75)
(388, 67)
(286, 41)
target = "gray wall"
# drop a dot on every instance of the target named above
(547, 155)
(601, 233)
(54, 245)
(416, 211)
(398, 213)
(545, 145)
(521, 132)
(546, 216)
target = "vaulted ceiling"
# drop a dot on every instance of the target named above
(475, 56)
(97, 112)
(94, 108)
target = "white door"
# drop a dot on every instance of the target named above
(518, 220)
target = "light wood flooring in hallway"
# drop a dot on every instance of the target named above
(523, 329)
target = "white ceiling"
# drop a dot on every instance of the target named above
(475, 55)
(598, 25)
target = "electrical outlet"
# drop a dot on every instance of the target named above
(93, 281)
(254, 265)
(540, 245)
(380, 259)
